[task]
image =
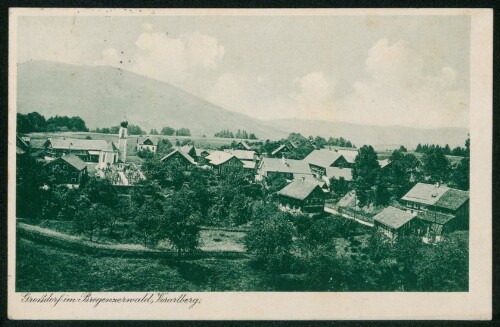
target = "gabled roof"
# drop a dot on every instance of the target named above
(248, 164)
(425, 193)
(72, 160)
(278, 149)
(241, 154)
(435, 217)
(199, 151)
(393, 217)
(453, 199)
(285, 166)
(80, 144)
(182, 153)
(383, 163)
(322, 157)
(219, 157)
(336, 173)
(152, 139)
(349, 155)
(349, 200)
(244, 144)
(298, 189)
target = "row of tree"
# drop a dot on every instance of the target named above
(172, 131)
(35, 122)
(131, 129)
(240, 134)
(457, 151)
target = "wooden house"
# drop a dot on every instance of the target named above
(68, 169)
(179, 156)
(441, 209)
(224, 163)
(147, 143)
(319, 160)
(393, 222)
(283, 168)
(302, 195)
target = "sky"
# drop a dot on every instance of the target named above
(374, 70)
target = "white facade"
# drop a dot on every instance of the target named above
(122, 141)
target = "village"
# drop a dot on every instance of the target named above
(335, 191)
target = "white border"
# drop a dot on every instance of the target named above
(475, 304)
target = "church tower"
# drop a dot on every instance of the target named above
(122, 141)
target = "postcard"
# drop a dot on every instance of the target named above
(244, 164)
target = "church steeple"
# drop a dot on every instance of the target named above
(122, 140)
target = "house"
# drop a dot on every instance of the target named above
(178, 155)
(285, 168)
(441, 209)
(319, 160)
(385, 165)
(248, 158)
(202, 153)
(335, 175)
(302, 195)
(223, 162)
(102, 152)
(393, 222)
(22, 147)
(242, 145)
(190, 149)
(147, 143)
(284, 149)
(68, 169)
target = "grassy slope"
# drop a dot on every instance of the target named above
(69, 272)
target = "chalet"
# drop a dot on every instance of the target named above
(248, 158)
(393, 222)
(441, 209)
(336, 175)
(102, 152)
(285, 168)
(223, 162)
(242, 145)
(147, 143)
(319, 160)
(302, 195)
(68, 169)
(284, 149)
(177, 155)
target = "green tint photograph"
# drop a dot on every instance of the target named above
(248, 153)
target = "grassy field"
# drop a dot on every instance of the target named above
(42, 268)
(211, 240)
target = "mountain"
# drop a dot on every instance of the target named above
(102, 95)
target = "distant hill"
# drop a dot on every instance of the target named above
(102, 95)
(383, 138)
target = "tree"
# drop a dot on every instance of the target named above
(436, 165)
(147, 221)
(164, 147)
(183, 132)
(99, 190)
(135, 130)
(461, 174)
(366, 165)
(167, 131)
(93, 217)
(445, 266)
(181, 223)
(404, 172)
(153, 132)
(270, 239)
